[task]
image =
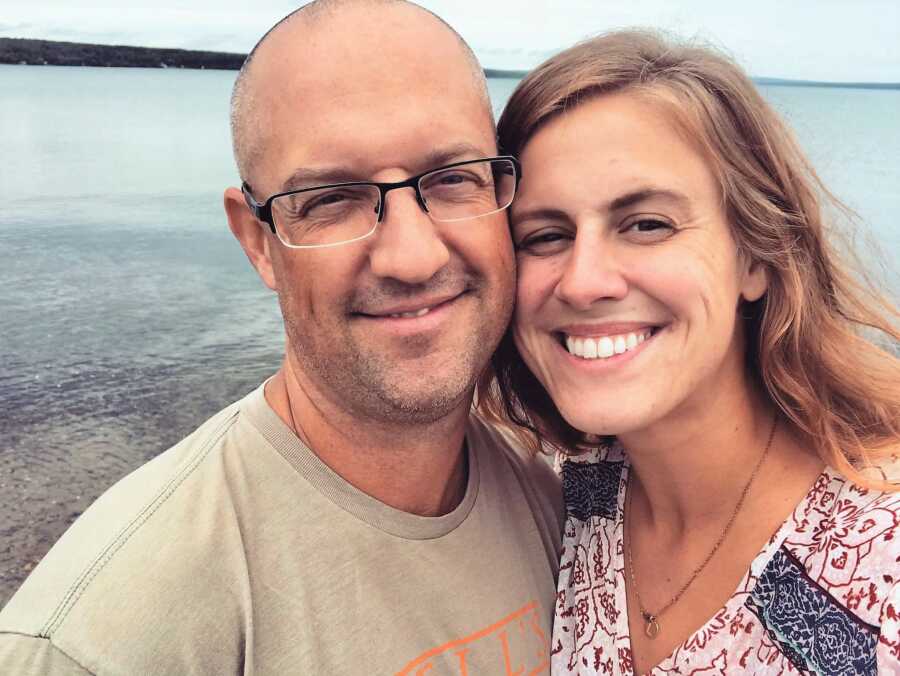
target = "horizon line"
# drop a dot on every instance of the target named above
(490, 71)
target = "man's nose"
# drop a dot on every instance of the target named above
(407, 245)
(592, 273)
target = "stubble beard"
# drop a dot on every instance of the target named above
(368, 384)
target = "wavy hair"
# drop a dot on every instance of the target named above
(822, 342)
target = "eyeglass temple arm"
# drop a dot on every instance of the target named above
(262, 212)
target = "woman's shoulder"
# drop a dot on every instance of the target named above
(835, 510)
(846, 540)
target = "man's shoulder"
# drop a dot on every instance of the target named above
(139, 543)
(25, 655)
(501, 442)
(513, 462)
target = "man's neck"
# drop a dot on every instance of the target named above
(420, 469)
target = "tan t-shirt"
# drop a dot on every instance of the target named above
(239, 551)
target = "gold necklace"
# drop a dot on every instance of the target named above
(651, 628)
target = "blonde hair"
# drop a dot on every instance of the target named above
(806, 338)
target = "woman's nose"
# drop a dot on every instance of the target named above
(592, 273)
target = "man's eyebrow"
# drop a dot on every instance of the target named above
(310, 178)
(450, 154)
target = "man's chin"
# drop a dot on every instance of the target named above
(414, 381)
(421, 399)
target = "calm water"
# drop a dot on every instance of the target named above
(127, 312)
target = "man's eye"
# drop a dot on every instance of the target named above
(325, 200)
(331, 202)
(452, 179)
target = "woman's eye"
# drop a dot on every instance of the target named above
(543, 243)
(654, 228)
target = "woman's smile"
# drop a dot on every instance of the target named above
(604, 347)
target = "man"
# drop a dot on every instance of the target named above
(348, 517)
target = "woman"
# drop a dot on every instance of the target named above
(684, 328)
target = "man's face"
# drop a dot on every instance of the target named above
(398, 326)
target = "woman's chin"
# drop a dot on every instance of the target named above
(604, 423)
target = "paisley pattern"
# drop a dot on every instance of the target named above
(823, 595)
(812, 629)
(591, 489)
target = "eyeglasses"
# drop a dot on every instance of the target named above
(331, 215)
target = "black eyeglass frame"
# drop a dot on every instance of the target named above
(263, 210)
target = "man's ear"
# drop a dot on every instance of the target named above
(252, 234)
(756, 281)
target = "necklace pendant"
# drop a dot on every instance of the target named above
(651, 629)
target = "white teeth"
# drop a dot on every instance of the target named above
(410, 315)
(605, 346)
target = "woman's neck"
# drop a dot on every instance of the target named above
(689, 468)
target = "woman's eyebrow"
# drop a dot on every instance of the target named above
(622, 202)
(644, 194)
(541, 213)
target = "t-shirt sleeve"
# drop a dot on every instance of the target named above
(25, 655)
(888, 650)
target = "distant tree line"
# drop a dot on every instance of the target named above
(52, 53)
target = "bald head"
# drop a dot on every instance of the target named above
(321, 28)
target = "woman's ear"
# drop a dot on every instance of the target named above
(252, 234)
(755, 281)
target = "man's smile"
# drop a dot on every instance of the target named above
(411, 308)
(413, 316)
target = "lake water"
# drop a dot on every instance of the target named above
(128, 314)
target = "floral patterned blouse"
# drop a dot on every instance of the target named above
(823, 595)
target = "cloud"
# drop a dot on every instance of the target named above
(6, 27)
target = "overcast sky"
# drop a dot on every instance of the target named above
(835, 40)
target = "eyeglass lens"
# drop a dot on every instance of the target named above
(333, 215)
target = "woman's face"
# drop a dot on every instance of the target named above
(629, 279)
